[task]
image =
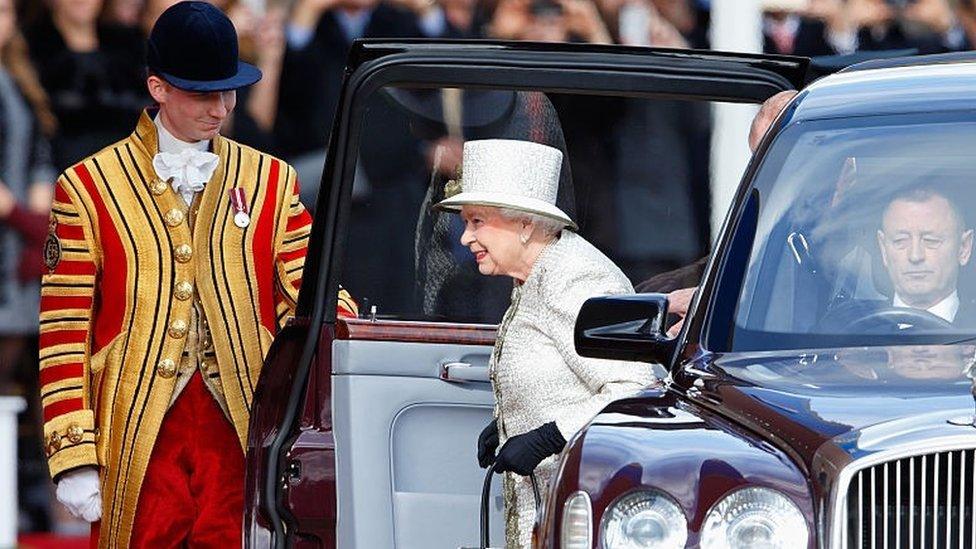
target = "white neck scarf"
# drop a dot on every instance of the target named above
(189, 165)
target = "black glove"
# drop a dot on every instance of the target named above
(521, 454)
(487, 444)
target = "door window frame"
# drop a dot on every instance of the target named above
(548, 68)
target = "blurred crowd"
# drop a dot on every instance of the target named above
(72, 81)
(832, 27)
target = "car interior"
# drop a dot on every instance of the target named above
(816, 266)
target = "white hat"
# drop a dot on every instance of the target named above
(508, 173)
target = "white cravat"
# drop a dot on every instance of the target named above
(189, 164)
(945, 309)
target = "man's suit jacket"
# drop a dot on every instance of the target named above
(125, 268)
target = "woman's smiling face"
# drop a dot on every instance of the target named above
(493, 239)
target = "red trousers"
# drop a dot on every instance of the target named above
(193, 492)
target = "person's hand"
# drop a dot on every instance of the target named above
(243, 18)
(665, 35)
(934, 14)
(418, 7)
(868, 13)
(318, 6)
(269, 38)
(7, 201)
(79, 491)
(521, 454)
(487, 444)
(510, 20)
(824, 10)
(832, 12)
(39, 198)
(582, 18)
(678, 13)
(678, 303)
(445, 155)
(306, 13)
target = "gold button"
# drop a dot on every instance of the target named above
(158, 187)
(166, 368)
(75, 433)
(183, 253)
(174, 217)
(54, 441)
(178, 328)
(184, 291)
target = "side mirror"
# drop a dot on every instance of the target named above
(624, 327)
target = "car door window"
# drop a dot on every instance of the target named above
(635, 177)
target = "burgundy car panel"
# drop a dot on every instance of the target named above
(416, 332)
(659, 440)
(267, 413)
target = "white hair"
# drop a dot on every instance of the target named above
(547, 225)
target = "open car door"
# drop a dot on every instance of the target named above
(364, 431)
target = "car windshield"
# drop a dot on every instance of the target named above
(857, 232)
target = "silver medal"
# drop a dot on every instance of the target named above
(242, 220)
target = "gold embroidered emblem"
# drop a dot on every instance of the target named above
(453, 186)
(52, 247)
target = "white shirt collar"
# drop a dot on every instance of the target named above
(170, 144)
(945, 309)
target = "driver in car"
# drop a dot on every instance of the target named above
(924, 242)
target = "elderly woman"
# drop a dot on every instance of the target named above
(544, 391)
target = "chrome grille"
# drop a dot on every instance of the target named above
(923, 501)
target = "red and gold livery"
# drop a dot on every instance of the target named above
(125, 267)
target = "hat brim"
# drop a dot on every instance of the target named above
(503, 200)
(247, 74)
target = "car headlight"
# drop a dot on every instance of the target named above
(754, 518)
(577, 527)
(645, 519)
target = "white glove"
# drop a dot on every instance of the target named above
(79, 491)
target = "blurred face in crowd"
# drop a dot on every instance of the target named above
(191, 116)
(547, 27)
(493, 239)
(77, 11)
(356, 5)
(923, 245)
(7, 21)
(124, 12)
(459, 13)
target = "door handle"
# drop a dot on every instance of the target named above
(463, 372)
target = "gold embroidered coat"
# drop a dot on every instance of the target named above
(125, 268)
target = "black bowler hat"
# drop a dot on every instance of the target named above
(193, 46)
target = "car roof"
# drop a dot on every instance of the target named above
(924, 83)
